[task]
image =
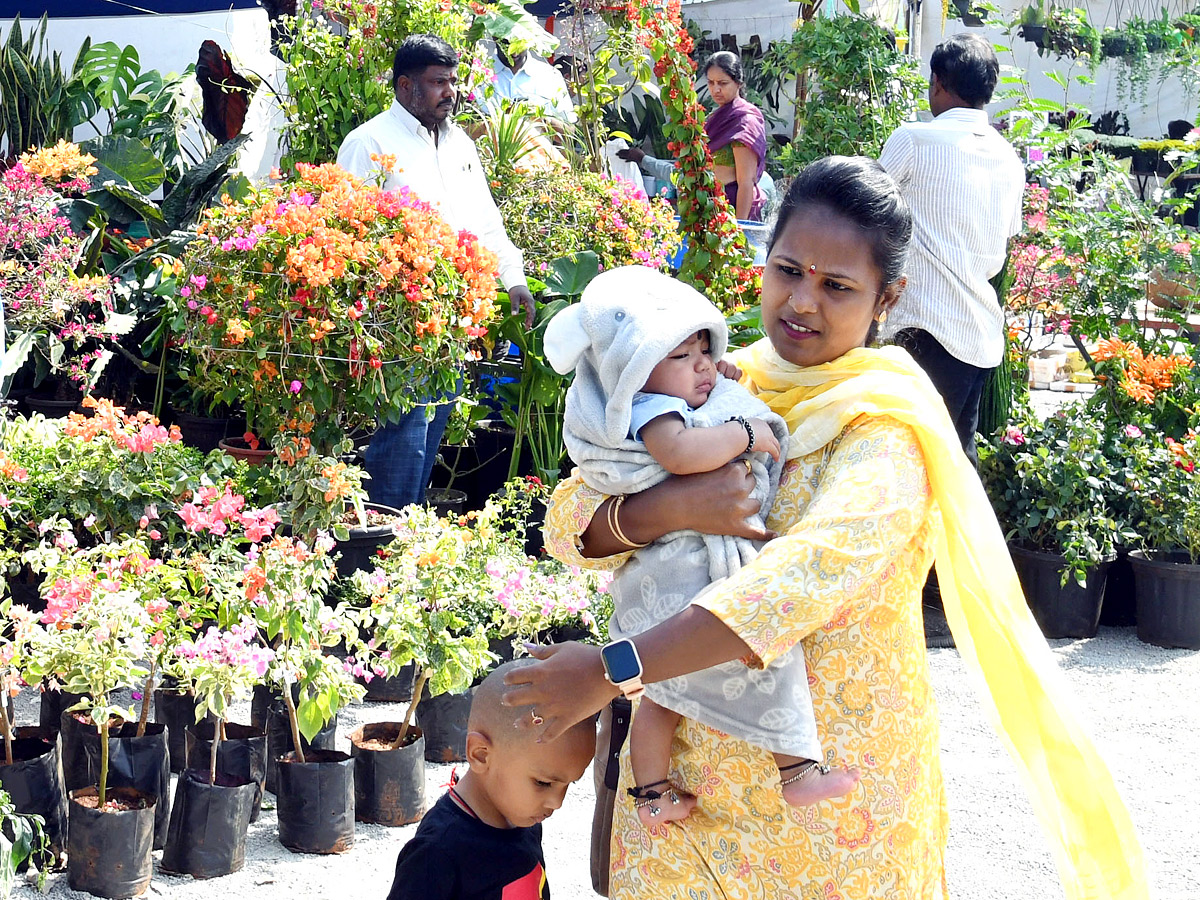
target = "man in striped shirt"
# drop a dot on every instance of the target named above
(964, 184)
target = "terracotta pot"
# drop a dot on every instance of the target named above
(239, 449)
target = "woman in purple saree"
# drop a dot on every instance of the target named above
(737, 136)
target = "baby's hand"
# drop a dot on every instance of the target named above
(729, 370)
(764, 438)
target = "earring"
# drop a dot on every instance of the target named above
(882, 317)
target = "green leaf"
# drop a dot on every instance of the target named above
(125, 159)
(16, 354)
(308, 717)
(110, 73)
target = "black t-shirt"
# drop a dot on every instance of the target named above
(454, 856)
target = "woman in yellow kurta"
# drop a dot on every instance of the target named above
(874, 468)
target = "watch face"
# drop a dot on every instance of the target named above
(621, 661)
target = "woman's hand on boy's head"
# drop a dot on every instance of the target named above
(540, 685)
(764, 438)
(729, 370)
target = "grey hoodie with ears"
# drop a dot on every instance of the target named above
(628, 320)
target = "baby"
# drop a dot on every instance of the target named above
(483, 838)
(648, 401)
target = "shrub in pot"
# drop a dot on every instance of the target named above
(1051, 483)
(284, 586)
(94, 638)
(213, 806)
(31, 769)
(1167, 565)
(397, 629)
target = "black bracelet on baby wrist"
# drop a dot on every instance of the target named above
(741, 420)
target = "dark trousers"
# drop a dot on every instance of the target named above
(959, 383)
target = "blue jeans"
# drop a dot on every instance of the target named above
(400, 456)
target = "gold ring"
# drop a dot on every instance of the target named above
(537, 720)
(749, 468)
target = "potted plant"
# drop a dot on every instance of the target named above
(95, 636)
(284, 586)
(31, 769)
(1167, 565)
(1051, 482)
(129, 751)
(415, 595)
(214, 802)
(321, 303)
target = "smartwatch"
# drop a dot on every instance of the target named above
(623, 668)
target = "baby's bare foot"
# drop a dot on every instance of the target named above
(672, 806)
(815, 785)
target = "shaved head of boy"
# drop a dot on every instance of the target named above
(513, 780)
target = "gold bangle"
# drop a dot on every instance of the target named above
(614, 524)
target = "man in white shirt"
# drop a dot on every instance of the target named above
(964, 184)
(521, 76)
(438, 162)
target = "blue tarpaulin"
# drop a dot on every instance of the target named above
(91, 9)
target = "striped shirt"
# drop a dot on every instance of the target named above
(964, 184)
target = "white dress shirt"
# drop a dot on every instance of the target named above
(537, 83)
(964, 184)
(448, 175)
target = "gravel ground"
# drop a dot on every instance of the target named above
(1132, 696)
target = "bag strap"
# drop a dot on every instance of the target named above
(622, 711)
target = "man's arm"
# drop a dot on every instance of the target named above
(898, 155)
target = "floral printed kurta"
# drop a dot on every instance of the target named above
(856, 524)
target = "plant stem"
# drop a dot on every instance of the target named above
(6, 725)
(292, 721)
(218, 728)
(418, 690)
(147, 696)
(102, 786)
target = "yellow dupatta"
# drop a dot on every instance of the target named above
(1076, 802)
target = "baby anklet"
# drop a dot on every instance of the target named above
(806, 768)
(644, 795)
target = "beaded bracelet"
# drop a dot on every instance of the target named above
(741, 420)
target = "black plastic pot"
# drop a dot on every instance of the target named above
(25, 588)
(49, 407)
(392, 689)
(315, 802)
(279, 741)
(177, 711)
(207, 837)
(1120, 606)
(109, 854)
(77, 771)
(389, 785)
(35, 783)
(443, 721)
(358, 550)
(202, 432)
(446, 501)
(52, 705)
(1061, 610)
(1168, 599)
(141, 763)
(241, 754)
